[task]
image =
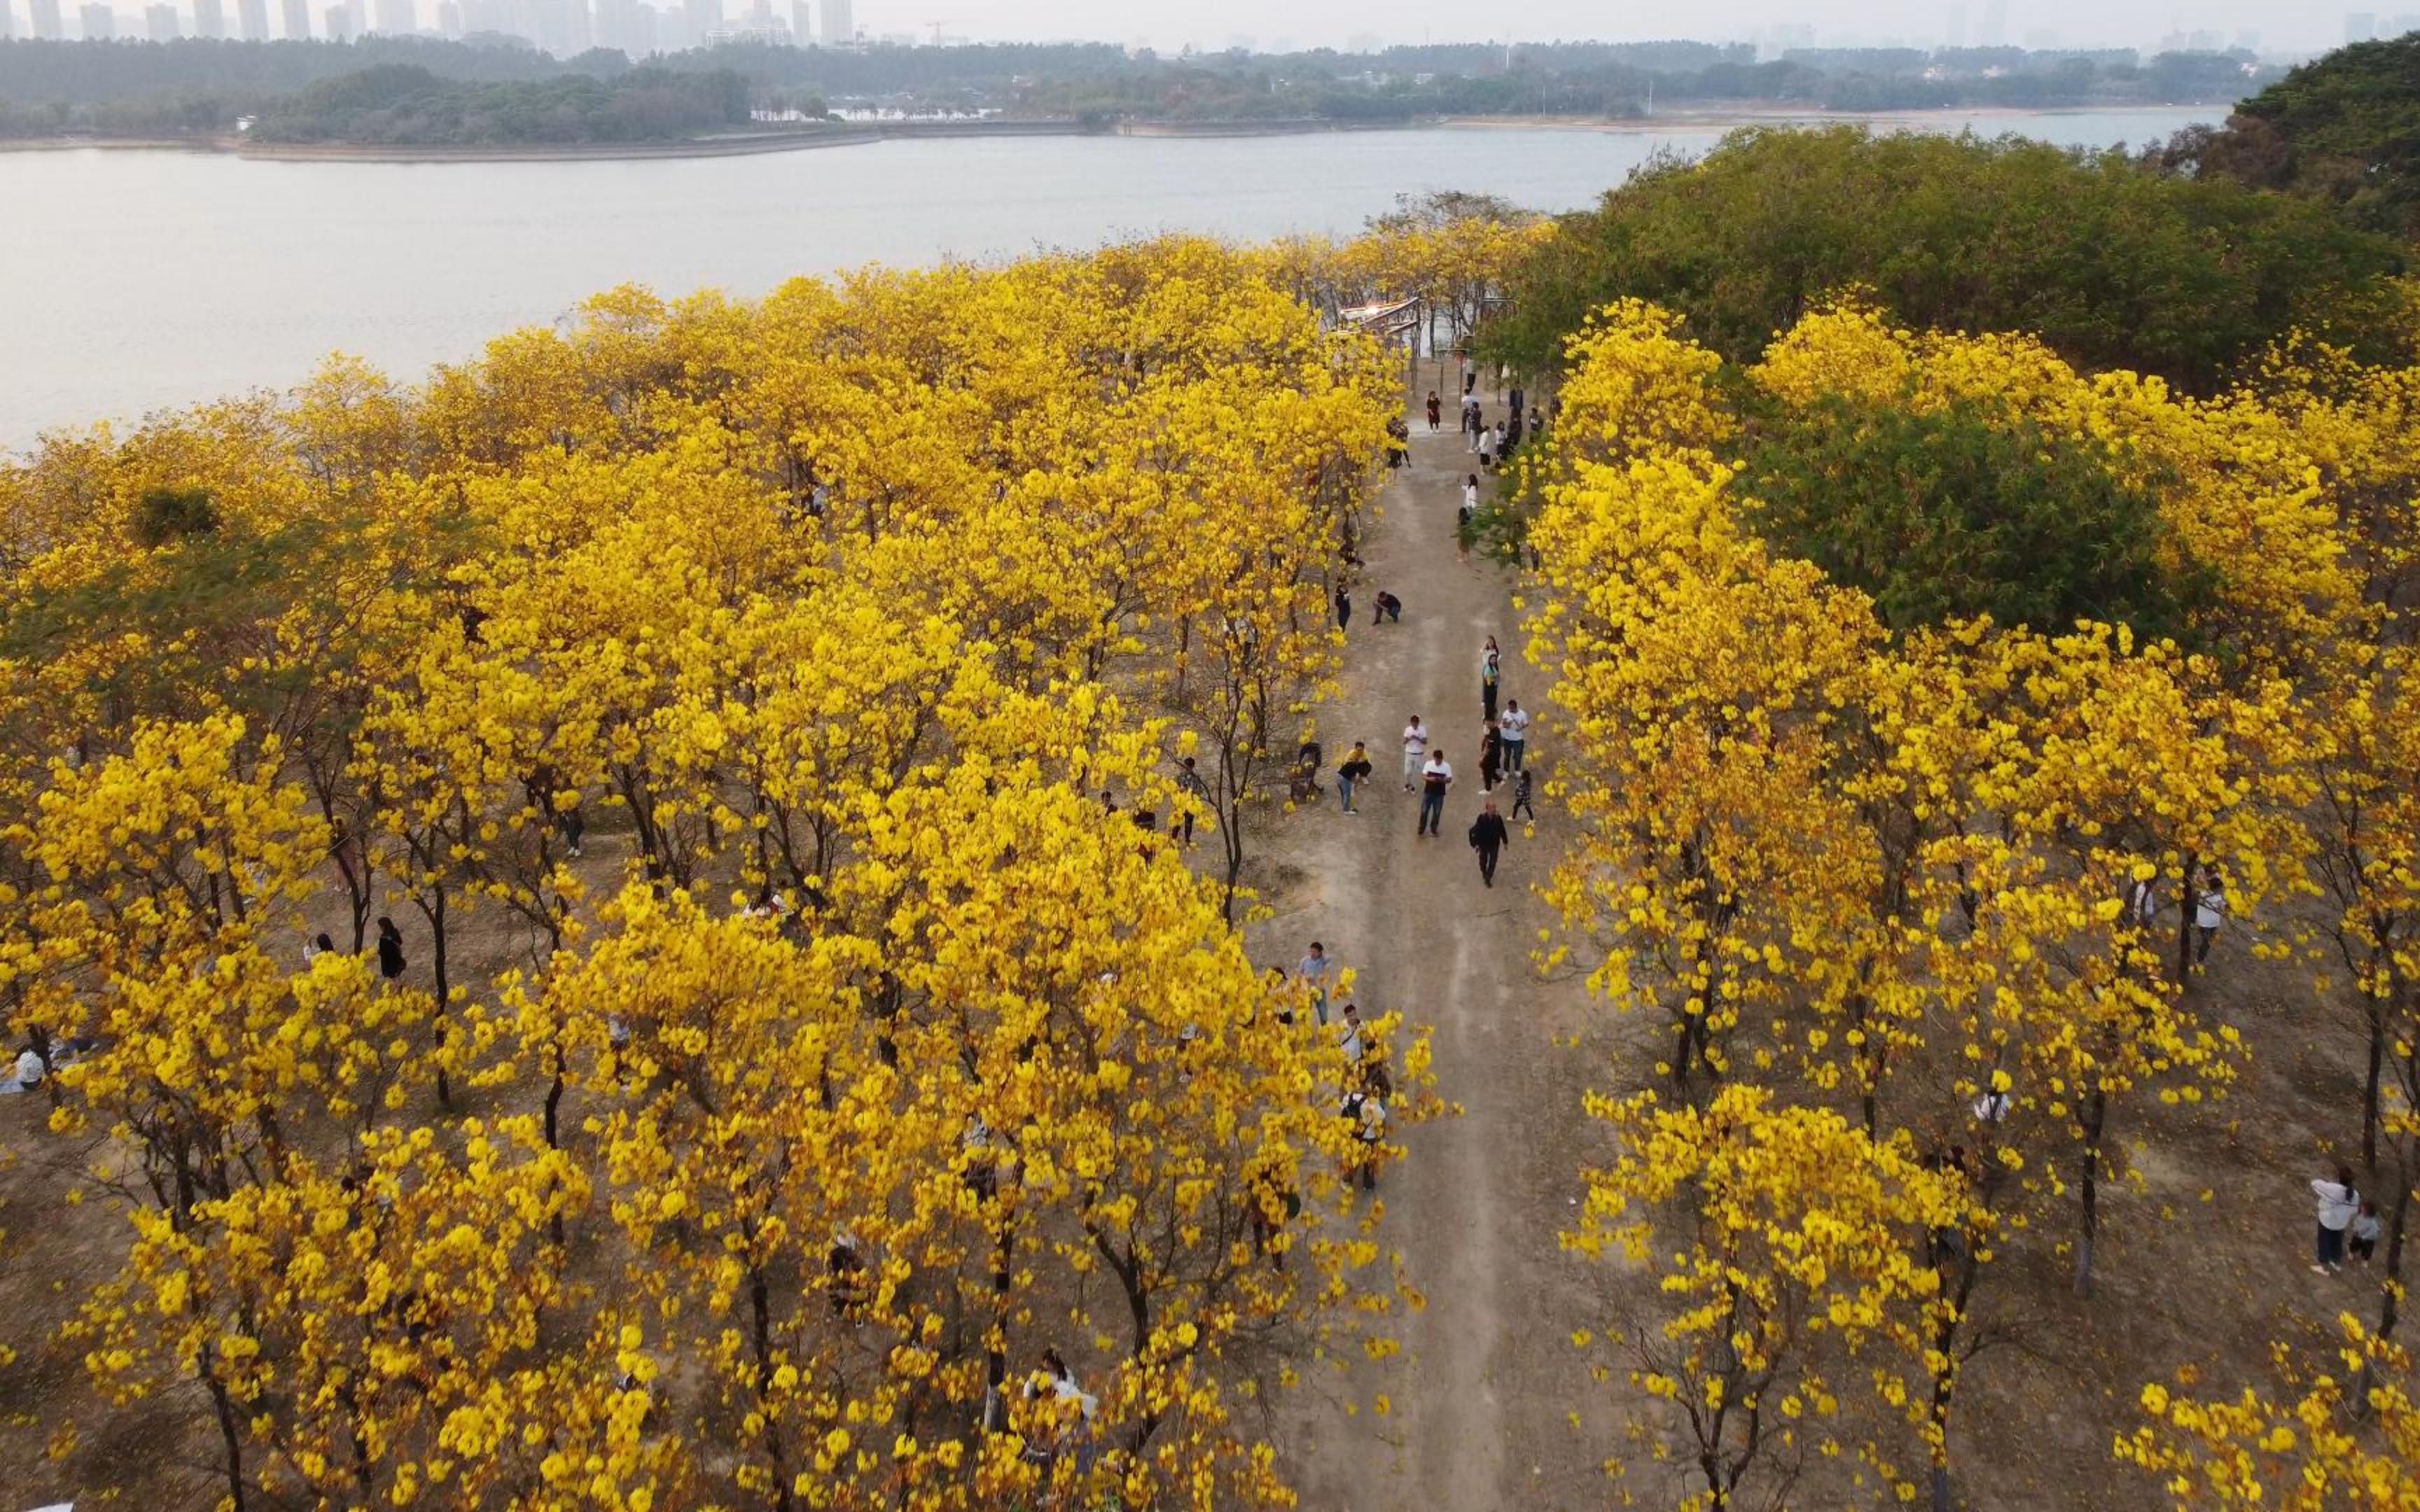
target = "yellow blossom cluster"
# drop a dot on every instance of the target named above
(763, 721)
(1945, 878)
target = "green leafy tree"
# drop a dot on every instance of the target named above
(1957, 511)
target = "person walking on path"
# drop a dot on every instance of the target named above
(1521, 798)
(1193, 798)
(1416, 750)
(1514, 727)
(1312, 969)
(1487, 448)
(1349, 1039)
(389, 948)
(1366, 1109)
(1491, 757)
(2210, 912)
(1352, 774)
(1437, 412)
(1472, 425)
(2338, 1205)
(1491, 667)
(1435, 777)
(1488, 837)
(1469, 497)
(1343, 609)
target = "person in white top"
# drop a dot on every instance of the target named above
(1416, 750)
(2210, 912)
(1514, 730)
(1435, 777)
(2339, 1203)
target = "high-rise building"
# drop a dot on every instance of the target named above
(44, 14)
(2360, 25)
(449, 20)
(839, 27)
(705, 17)
(209, 20)
(296, 15)
(99, 22)
(252, 20)
(397, 18)
(2402, 25)
(583, 30)
(8, 20)
(160, 23)
(337, 20)
(803, 28)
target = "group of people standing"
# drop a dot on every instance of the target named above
(1492, 444)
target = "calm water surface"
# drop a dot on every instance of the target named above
(136, 280)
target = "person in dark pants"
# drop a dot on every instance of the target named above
(1491, 757)
(1435, 777)
(1193, 798)
(1352, 774)
(1521, 798)
(1388, 607)
(1343, 607)
(1487, 837)
(1436, 410)
(389, 948)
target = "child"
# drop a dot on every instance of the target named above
(1520, 796)
(2364, 1232)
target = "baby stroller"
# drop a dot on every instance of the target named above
(1302, 783)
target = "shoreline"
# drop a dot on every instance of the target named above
(734, 147)
(859, 134)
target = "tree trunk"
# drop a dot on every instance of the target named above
(2185, 905)
(2096, 1120)
(2369, 1083)
(228, 1437)
(2390, 1307)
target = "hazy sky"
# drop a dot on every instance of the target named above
(2281, 24)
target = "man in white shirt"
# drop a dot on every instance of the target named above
(1416, 747)
(1513, 731)
(1435, 777)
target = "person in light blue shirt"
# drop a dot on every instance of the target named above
(1312, 969)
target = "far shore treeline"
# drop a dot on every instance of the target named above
(201, 88)
(399, 104)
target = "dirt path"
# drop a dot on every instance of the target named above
(1480, 1401)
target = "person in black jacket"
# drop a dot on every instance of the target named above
(389, 948)
(1487, 837)
(1352, 774)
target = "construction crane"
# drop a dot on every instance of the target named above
(937, 27)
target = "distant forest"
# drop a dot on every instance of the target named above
(197, 87)
(399, 103)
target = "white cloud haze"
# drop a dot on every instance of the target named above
(1267, 23)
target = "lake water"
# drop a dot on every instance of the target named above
(136, 280)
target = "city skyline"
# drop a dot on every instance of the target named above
(638, 26)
